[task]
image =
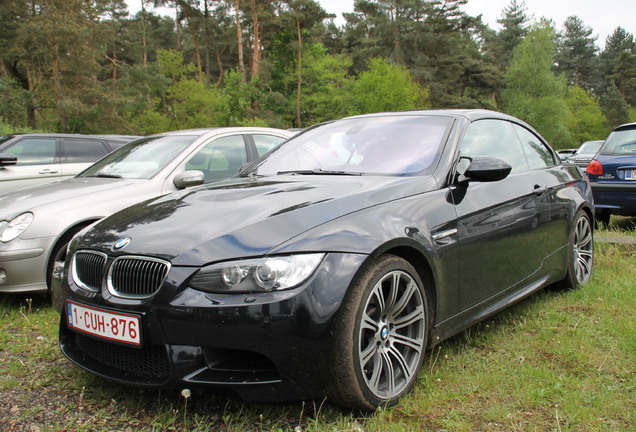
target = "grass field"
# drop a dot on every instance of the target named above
(558, 361)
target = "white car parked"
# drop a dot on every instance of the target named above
(37, 223)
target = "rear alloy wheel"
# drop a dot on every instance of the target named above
(380, 336)
(581, 254)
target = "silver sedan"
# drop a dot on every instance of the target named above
(37, 223)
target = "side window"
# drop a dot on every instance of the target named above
(538, 155)
(265, 143)
(83, 150)
(495, 138)
(34, 151)
(220, 158)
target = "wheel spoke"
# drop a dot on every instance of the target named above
(407, 370)
(378, 367)
(393, 293)
(409, 291)
(410, 319)
(367, 354)
(389, 374)
(413, 343)
(586, 240)
(583, 234)
(379, 296)
(368, 323)
(583, 269)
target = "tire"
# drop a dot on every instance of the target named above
(56, 263)
(380, 336)
(580, 251)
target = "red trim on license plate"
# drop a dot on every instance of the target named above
(113, 326)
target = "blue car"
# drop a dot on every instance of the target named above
(612, 173)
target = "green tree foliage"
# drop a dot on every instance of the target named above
(326, 85)
(386, 87)
(500, 45)
(614, 107)
(534, 93)
(585, 121)
(577, 54)
(186, 102)
(86, 66)
(618, 64)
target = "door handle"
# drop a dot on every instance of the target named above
(48, 171)
(539, 190)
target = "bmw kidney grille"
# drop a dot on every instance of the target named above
(132, 277)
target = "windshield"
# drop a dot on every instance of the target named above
(140, 159)
(589, 147)
(620, 142)
(391, 145)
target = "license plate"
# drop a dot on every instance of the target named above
(113, 326)
(630, 174)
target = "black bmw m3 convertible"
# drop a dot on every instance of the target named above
(329, 266)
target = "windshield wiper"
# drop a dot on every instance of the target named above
(251, 174)
(104, 175)
(318, 171)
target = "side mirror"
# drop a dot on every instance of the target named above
(7, 159)
(188, 179)
(485, 169)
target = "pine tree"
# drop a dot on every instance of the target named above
(577, 54)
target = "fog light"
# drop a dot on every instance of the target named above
(3, 276)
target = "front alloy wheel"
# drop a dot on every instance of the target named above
(381, 336)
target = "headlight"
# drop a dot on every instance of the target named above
(12, 229)
(254, 275)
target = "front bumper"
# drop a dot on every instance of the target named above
(264, 347)
(23, 264)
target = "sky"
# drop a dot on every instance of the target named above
(602, 16)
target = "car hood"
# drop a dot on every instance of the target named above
(83, 191)
(242, 217)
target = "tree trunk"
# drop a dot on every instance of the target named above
(55, 78)
(31, 121)
(256, 46)
(144, 43)
(239, 37)
(114, 62)
(197, 52)
(299, 83)
(219, 61)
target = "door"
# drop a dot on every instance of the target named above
(38, 162)
(499, 223)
